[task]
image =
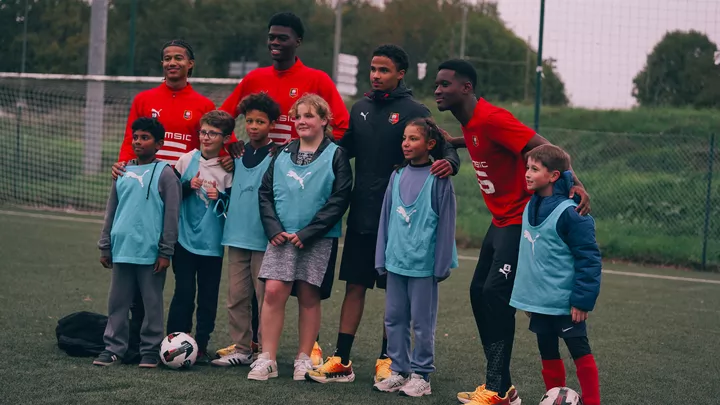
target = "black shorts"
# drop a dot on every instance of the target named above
(358, 261)
(329, 278)
(559, 325)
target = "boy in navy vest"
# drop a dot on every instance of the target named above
(558, 272)
(137, 242)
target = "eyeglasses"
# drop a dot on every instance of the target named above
(209, 134)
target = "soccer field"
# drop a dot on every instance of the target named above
(654, 338)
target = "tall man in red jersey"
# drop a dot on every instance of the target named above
(178, 108)
(287, 80)
(497, 142)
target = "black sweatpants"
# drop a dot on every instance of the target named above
(490, 292)
(194, 272)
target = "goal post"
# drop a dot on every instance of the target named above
(58, 145)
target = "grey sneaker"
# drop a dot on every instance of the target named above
(416, 387)
(107, 358)
(149, 361)
(391, 384)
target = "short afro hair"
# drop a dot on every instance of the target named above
(260, 102)
(461, 68)
(395, 54)
(290, 20)
(150, 125)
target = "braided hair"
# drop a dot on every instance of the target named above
(183, 44)
(430, 130)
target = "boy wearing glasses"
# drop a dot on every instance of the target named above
(198, 258)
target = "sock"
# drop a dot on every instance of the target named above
(344, 344)
(383, 351)
(587, 374)
(553, 372)
(425, 376)
(495, 354)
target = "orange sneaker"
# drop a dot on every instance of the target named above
(382, 369)
(332, 371)
(316, 356)
(486, 397)
(465, 397)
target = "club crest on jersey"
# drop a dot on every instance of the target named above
(475, 140)
(187, 114)
(293, 92)
(394, 118)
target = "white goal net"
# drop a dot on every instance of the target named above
(58, 146)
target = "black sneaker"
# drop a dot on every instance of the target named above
(202, 358)
(149, 361)
(107, 358)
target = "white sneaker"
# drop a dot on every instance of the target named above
(263, 368)
(303, 364)
(391, 384)
(235, 358)
(416, 387)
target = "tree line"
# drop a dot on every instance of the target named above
(224, 31)
(679, 71)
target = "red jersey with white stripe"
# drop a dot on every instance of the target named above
(495, 140)
(285, 87)
(179, 111)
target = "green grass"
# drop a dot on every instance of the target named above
(654, 340)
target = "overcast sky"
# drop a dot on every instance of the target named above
(600, 45)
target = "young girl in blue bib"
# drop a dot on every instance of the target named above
(303, 196)
(197, 263)
(416, 246)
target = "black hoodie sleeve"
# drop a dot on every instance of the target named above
(268, 216)
(334, 209)
(347, 142)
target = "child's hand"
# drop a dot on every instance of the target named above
(212, 192)
(293, 238)
(279, 239)
(196, 182)
(106, 262)
(161, 264)
(578, 315)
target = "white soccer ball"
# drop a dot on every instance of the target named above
(178, 350)
(561, 396)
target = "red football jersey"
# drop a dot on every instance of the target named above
(285, 87)
(495, 140)
(178, 111)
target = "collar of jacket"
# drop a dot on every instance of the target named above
(294, 147)
(298, 65)
(185, 90)
(401, 91)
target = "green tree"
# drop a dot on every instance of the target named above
(680, 72)
(57, 35)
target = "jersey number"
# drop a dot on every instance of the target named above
(485, 185)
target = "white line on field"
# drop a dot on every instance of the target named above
(464, 258)
(46, 216)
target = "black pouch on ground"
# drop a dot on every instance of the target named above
(80, 334)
